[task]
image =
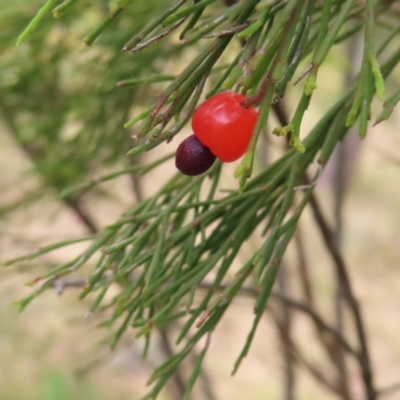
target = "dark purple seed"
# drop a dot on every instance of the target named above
(192, 157)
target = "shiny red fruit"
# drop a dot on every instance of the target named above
(192, 157)
(223, 125)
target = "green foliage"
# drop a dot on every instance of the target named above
(61, 102)
(160, 251)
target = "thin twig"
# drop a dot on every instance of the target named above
(314, 370)
(260, 95)
(285, 321)
(341, 161)
(295, 304)
(207, 383)
(304, 268)
(177, 376)
(318, 320)
(60, 285)
(250, 290)
(317, 373)
(230, 31)
(158, 37)
(73, 204)
(364, 358)
(332, 351)
(340, 181)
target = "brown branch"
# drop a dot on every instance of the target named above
(207, 384)
(280, 112)
(341, 161)
(338, 353)
(297, 305)
(285, 321)
(334, 350)
(85, 218)
(363, 358)
(318, 320)
(31, 152)
(60, 285)
(177, 376)
(314, 370)
(332, 347)
(303, 267)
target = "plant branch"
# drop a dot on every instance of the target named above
(332, 350)
(84, 217)
(60, 285)
(284, 320)
(73, 204)
(341, 267)
(177, 376)
(300, 358)
(295, 304)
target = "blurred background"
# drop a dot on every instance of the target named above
(61, 123)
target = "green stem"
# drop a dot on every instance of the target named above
(36, 20)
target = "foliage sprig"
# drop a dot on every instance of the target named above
(161, 251)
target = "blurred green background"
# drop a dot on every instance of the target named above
(61, 123)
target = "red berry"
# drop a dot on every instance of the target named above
(223, 125)
(192, 157)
